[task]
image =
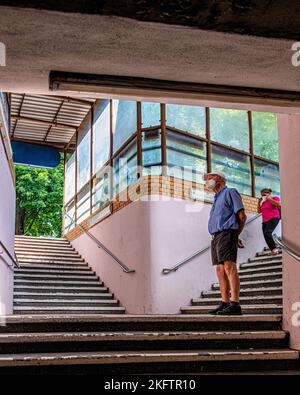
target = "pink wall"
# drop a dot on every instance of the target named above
(289, 148)
(149, 236)
(7, 232)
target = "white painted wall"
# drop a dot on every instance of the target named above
(149, 236)
(7, 232)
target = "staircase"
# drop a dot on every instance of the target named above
(261, 288)
(121, 343)
(54, 278)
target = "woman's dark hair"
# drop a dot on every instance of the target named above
(266, 190)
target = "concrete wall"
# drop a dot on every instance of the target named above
(149, 236)
(289, 148)
(7, 232)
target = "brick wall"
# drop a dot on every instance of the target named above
(147, 186)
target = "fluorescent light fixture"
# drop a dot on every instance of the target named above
(146, 89)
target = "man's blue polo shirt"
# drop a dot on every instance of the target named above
(227, 204)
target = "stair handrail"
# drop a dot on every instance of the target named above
(286, 248)
(199, 252)
(13, 259)
(125, 268)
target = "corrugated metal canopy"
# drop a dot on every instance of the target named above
(50, 120)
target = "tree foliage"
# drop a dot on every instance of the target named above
(39, 193)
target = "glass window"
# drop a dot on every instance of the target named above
(124, 121)
(150, 114)
(101, 134)
(186, 154)
(189, 119)
(83, 203)
(265, 135)
(100, 194)
(235, 166)
(70, 176)
(84, 153)
(230, 127)
(125, 167)
(70, 216)
(266, 176)
(151, 149)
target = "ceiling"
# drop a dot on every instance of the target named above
(46, 120)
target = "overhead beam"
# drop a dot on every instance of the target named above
(146, 89)
(43, 122)
(57, 145)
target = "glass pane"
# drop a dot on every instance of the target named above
(125, 168)
(189, 119)
(230, 127)
(70, 217)
(100, 193)
(186, 155)
(265, 135)
(101, 134)
(235, 166)
(84, 153)
(124, 121)
(150, 114)
(70, 176)
(266, 176)
(151, 149)
(83, 203)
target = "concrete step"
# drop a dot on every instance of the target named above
(256, 284)
(275, 291)
(157, 322)
(260, 265)
(32, 258)
(265, 258)
(54, 270)
(45, 247)
(247, 309)
(53, 289)
(46, 254)
(260, 276)
(46, 296)
(65, 303)
(265, 253)
(41, 238)
(248, 300)
(67, 265)
(139, 340)
(60, 277)
(127, 358)
(69, 310)
(56, 283)
(262, 270)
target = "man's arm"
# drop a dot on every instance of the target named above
(275, 201)
(241, 218)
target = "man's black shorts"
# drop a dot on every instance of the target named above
(224, 247)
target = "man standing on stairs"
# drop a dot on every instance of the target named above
(226, 222)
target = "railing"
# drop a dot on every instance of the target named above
(14, 260)
(100, 245)
(200, 252)
(286, 248)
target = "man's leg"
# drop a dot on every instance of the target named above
(224, 283)
(234, 280)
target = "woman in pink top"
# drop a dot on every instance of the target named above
(269, 207)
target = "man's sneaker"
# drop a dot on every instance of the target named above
(221, 307)
(234, 308)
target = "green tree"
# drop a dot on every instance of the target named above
(39, 194)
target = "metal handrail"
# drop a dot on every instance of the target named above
(286, 248)
(100, 245)
(14, 260)
(186, 260)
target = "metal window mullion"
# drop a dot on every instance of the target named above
(139, 140)
(208, 137)
(91, 158)
(163, 139)
(251, 149)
